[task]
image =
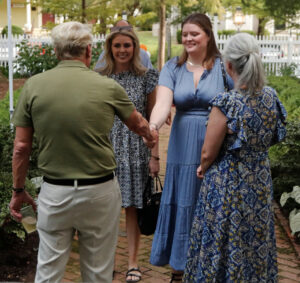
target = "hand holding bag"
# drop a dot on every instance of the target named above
(147, 216)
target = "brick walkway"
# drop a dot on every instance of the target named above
(288, 257)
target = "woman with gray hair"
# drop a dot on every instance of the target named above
(232, 238)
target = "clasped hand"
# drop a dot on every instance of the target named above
(200, 173)
(151, 142)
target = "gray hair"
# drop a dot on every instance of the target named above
(242, 52)
(70, 39)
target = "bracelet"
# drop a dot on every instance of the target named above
(18, 190)
(155, 157)
(155, 126)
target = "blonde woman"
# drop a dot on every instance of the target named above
(134, 160)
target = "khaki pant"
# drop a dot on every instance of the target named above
(94, 211)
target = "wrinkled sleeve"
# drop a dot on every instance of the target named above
(280, 131)
(22, 115)
(151, 80)
(232, 108)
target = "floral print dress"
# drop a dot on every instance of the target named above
(232, 237)
(131, 154)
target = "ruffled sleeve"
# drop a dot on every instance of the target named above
(280, 132)
(151, 79)
(232, 109)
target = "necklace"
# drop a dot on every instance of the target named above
(194, 65)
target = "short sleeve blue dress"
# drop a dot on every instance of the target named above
(232, 236)
(181, 186)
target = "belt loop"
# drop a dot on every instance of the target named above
(76, 183)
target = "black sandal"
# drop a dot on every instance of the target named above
(130, 273)
(176, 277)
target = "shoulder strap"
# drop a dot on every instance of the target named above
(158, 184)
(226, 86)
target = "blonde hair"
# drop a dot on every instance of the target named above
(136, 66)
(242, 52)
(70, 39)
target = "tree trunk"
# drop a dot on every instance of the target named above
(83, 15)
(162, 35)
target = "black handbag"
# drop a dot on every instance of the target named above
(147, 216)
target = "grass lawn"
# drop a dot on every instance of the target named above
(151, 42)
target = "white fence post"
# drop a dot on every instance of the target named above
(290, 51)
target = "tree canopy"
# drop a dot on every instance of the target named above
(106, 10)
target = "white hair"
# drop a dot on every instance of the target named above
(242, 52)
(70, 39)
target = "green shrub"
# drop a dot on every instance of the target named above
(288, 70)
(4, 107)
(288, 89)
(7, 224)
(285, 157)
(232, 32)
(145, 20)
(96, 51)
(285, 161)
(178, 36)
(49, 25)
(6, 149)
(15, 30)
(35, 59)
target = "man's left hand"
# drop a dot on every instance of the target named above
(16, 202)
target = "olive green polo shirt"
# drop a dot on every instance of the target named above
(72, 109)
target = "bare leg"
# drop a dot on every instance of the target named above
(133, 239)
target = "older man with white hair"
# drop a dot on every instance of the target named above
(71, 110)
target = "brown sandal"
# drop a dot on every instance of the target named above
(176, 277)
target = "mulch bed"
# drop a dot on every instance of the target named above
(17, 83)
(18, 258)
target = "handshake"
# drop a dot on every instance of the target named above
(152, 138)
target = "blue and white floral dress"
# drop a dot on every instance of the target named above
(232, 237)
(131, 154)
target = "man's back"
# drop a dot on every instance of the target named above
(72, 110)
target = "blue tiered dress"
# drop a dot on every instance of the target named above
(232, 238)
(181, 186)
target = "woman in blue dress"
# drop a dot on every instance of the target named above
(232, 237)
(189, 82)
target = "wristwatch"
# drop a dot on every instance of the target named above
(18, 190)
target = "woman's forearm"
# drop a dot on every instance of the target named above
(161, 110)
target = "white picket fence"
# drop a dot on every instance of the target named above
(31, 41)
(276, 52)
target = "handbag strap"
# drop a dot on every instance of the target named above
(158, 182)
(225, 80)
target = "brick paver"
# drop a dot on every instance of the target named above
(288, 258)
